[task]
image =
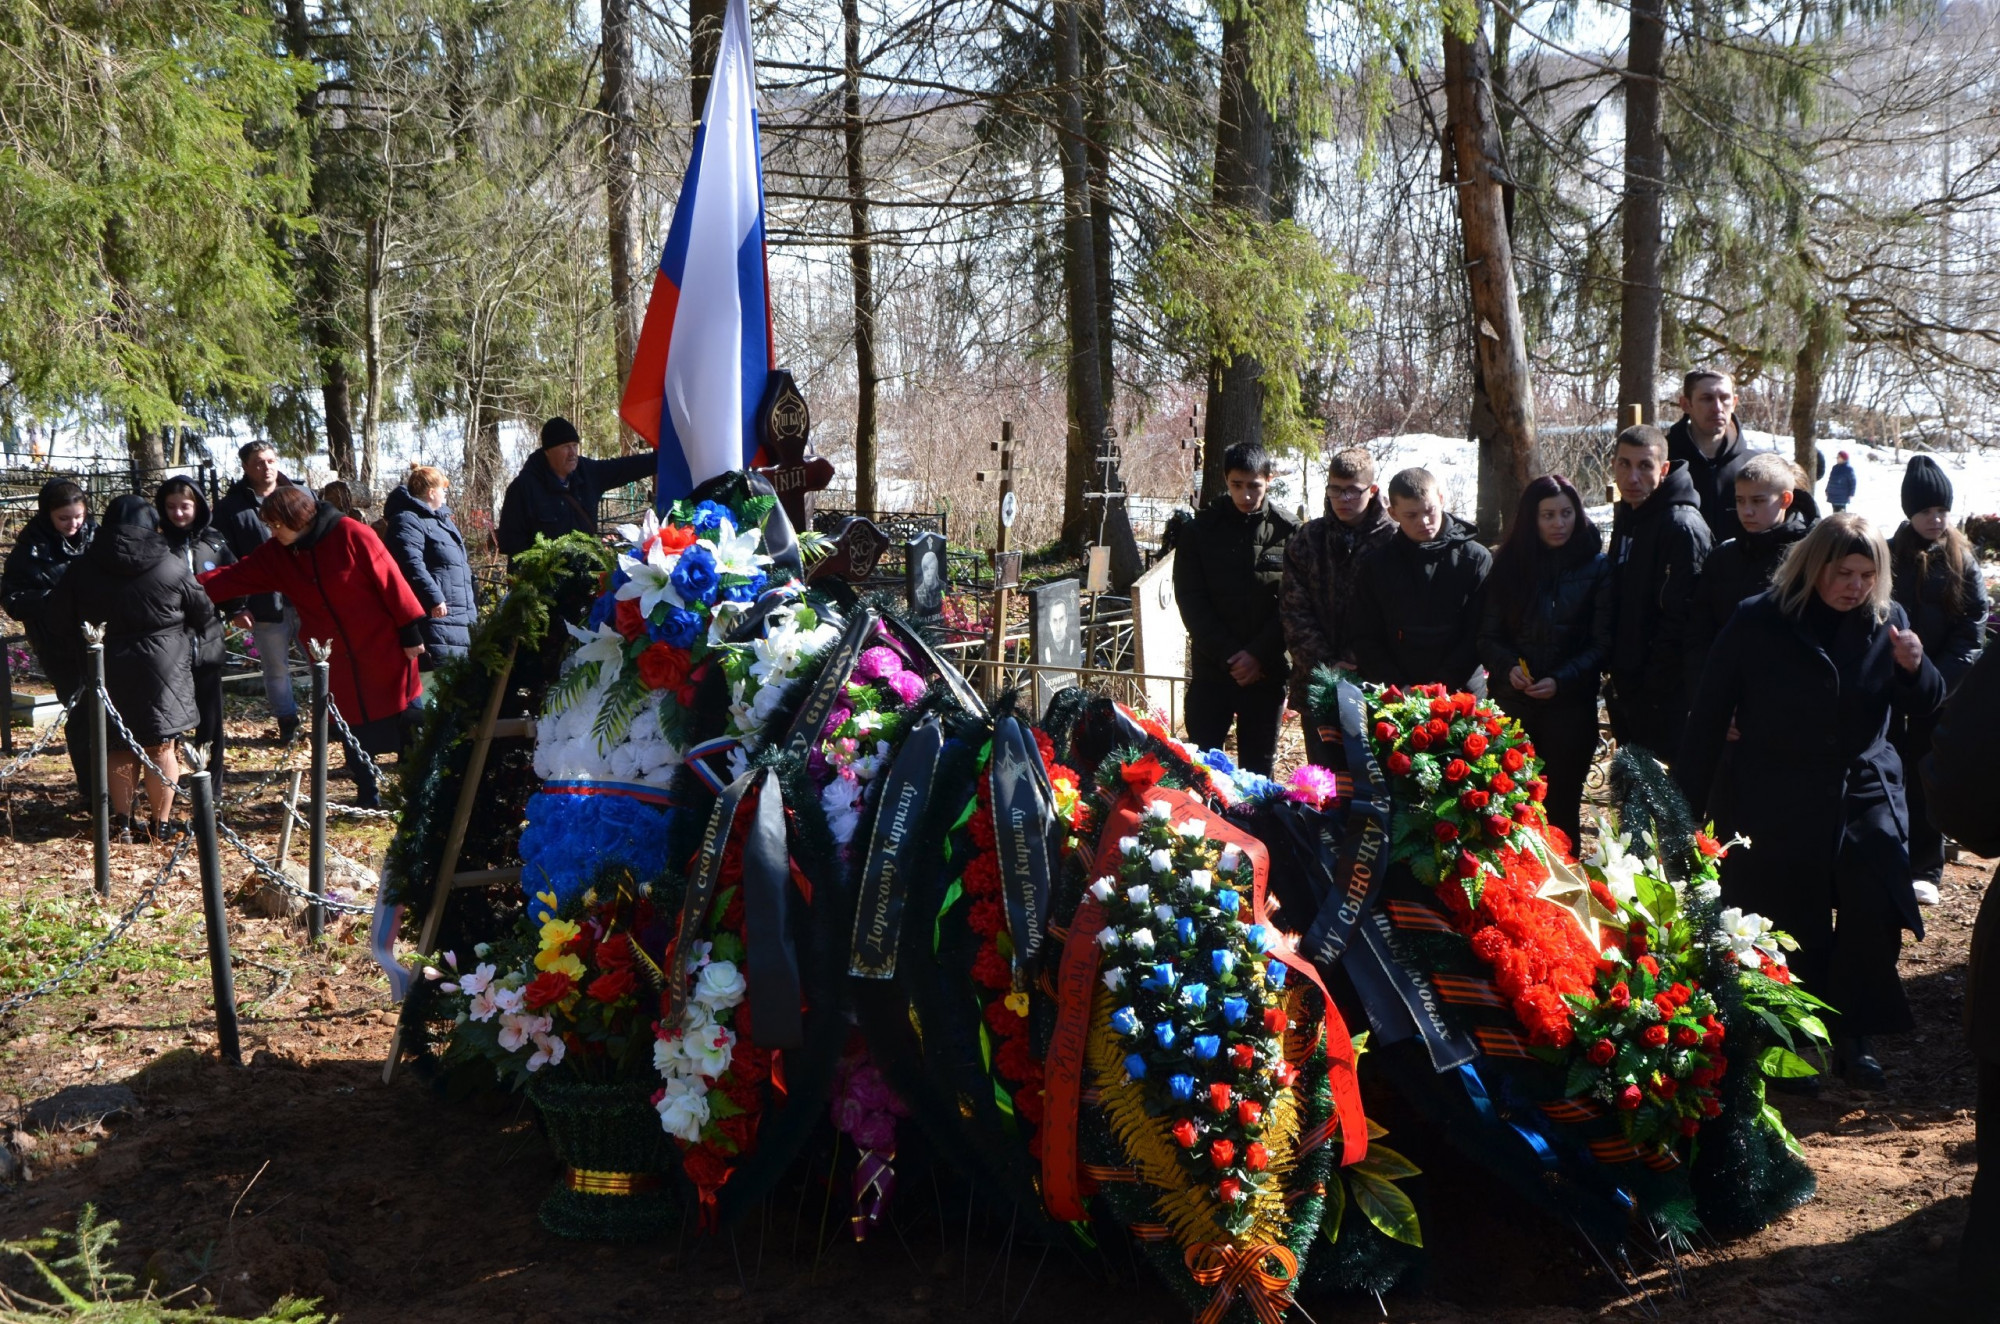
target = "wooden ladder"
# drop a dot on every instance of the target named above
(491, 727)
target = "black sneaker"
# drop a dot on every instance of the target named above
(288, 730)
(1859, 1068)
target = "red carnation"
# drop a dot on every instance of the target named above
(1222, 1152)
(1014, 1058)
(1249, 1111)
(989, 968)
(613, 984)
(1456, 770)
(1399, 764)
(1445, 832)
(1386, 732)
(548, 988)
(1475, 745)
(1420, 740)
(1185, 1134)
(1475, 800)
(1603, 1051)
(663, 667)
(704, 1167)
(1655, 1036)
(1244, 1056)
(1620, 996)
(1498, 827)
(1513, 760)
(1782, 974)
(985, 917)
(1256, 1157)
(1029, 1104)
(1275, 1019)
(1630, 1097)
(1218, 1096)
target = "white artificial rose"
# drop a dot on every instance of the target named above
(683, 1108)
(719, 985)
(1139, 895)
(1160, 861)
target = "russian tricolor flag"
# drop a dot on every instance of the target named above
(706, 349)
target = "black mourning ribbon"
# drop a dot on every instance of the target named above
(776, 1019)
(893, 848)
(1022, 821)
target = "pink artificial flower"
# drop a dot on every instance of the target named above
(878, 663)
(908, 685)
(1312, 785)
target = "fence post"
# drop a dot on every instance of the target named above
(222, 979)
(7, 700)
(316, 846)
(100, 758)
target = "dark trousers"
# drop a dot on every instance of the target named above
(1214, 703)
(1646, 720)
(208, 718)
(1565, 736)
(388, 735)
(1851, 961)
(1926, 842)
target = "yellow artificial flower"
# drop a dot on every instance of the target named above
(556, 933)
(1017, 1003)
(550, 958)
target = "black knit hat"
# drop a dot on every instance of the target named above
(558, 431)
(1924, 486)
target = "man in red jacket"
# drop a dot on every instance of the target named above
(348, 593)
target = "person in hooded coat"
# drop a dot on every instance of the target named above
(1659, 543)
(348, 593)
(48, 545)
(1544, 635)
(1417, 597)
(191, 535)
(559, 488)
(1939, 584)
(430, 552)
(1810, 673)
(1318, 581)
(152, 611)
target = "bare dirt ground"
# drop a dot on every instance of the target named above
(302, 1173)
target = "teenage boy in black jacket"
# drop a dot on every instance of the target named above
(1417, 597)
(1658, 544)
(1774, 508)
(1709, 441)
(1228, 562)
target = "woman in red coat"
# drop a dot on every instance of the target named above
(348, 593)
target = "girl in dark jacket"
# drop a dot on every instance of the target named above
(349, 595)
(1937, 582)
(1545, 635)
(431, 554)
(49, 544)
(192, 537)
(152, 611)
(1810, 673)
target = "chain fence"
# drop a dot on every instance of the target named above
(42, 741)
(94, 953)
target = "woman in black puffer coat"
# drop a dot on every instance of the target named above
(49, 544)
(430, 552)
(1545, 636)
(1810, 673)
(152, 610)
(192, 536)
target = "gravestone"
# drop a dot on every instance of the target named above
(924, 574)
(1159, 636)
(1055, 637)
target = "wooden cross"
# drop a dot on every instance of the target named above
(787, 436)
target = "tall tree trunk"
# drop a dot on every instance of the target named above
(704, 40)
(1645, 168)
(1243, 183)
(146, 448)
(1086, 395)
(481, 466)
(621, 188)
(861, 265)
(1097, 130)
(1808, 377)
(1508, 457)
(371, 349)
(337, 400)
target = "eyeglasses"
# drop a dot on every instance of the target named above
(1347, 493)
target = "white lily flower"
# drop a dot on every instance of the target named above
(650, 580)
(638, 535)
(604, 646)
(736, 553)
(709, 1053)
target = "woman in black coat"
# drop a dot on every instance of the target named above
(431, 554)
(191, 536)
(49, 544)
(152, 610)
(1545, 635)
(1810, 673)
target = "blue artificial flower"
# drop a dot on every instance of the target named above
(1205, 1047)
(694, 576)
(1163, 1034)
(1161, 980)
(708, 516)
(1228, 900)
(619, 579)
(1235, 1010)
(1125, 1021)
(1181, 1087)
(678, 628)
(1195, 995)
(1184, 930)
(1275, 973)
(1135, 1067)
(1260, 937)
(1223, 961)
(748, 590)
(601, 612)
(1219, 761)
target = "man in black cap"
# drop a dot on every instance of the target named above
(558, 489)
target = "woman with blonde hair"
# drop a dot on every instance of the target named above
(1805, 678)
